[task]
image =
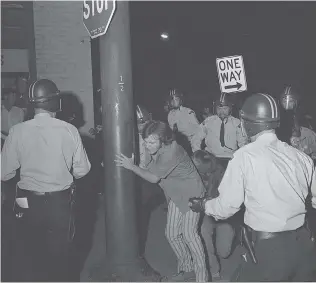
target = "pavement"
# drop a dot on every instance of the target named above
(158, 251)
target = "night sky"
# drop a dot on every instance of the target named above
(276, 39)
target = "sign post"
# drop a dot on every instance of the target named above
(231, 74)
(97, 15)
(118, 113)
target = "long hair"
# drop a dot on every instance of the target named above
(159, 128)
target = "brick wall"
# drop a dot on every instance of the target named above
(63, 51)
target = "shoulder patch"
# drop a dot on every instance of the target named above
(191, 112)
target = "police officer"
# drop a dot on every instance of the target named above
(181, 119)
(49, 153)
(289, 102)
(10, 113)
(222, 132)
(272, 179)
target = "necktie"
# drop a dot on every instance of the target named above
(222, 134)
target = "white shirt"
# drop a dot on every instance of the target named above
(272, 179)
(185, 119)
(9, 119)
(47, 150)
(210, 130)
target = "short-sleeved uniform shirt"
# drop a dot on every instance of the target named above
(179, 177)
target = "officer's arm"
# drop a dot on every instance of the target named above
(242, 139)
(81, 164)
(231, 193)
(198, 137)
(9, 156)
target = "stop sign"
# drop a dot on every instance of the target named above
(97, 15)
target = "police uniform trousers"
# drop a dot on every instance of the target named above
(182, 235)
(46, 230)
(289, 256)
(218, 238)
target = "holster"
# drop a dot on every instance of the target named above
(246, 241)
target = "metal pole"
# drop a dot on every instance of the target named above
(118, 135)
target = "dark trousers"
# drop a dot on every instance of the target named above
(46, 230)
(287, 257)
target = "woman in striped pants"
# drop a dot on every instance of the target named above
(172, 168)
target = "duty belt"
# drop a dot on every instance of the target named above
(261, 235)
(67, 191)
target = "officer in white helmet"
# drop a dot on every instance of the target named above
(222, 132)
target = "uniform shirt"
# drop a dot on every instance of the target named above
(185, 119)
(210, 130)
(9, 119)
(47, 150)
(179, 177)
(307, 142)
(272, 179)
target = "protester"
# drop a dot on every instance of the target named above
(173, 169)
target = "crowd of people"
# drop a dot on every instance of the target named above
(254, 173)
(257, 176)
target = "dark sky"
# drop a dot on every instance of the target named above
(276, 39)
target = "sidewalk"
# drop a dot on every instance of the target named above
(158, 252)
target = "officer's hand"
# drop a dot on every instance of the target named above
(196, 204)
(124, 161)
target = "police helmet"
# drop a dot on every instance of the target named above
(289, 98)
(223, 100)
(142, 114)
(44, 94)
(259, 113)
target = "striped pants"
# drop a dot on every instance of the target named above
(181, 232)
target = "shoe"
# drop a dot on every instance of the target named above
(216, 277)
(180, 277)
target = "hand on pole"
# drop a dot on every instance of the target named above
(124, 161)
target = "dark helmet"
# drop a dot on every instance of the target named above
(224, 100)
(45, 94)
(289, 98)
(142, 114)
(259, 113)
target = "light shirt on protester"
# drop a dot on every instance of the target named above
(272, 179)
(48, 151)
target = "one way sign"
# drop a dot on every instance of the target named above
(231, 74)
